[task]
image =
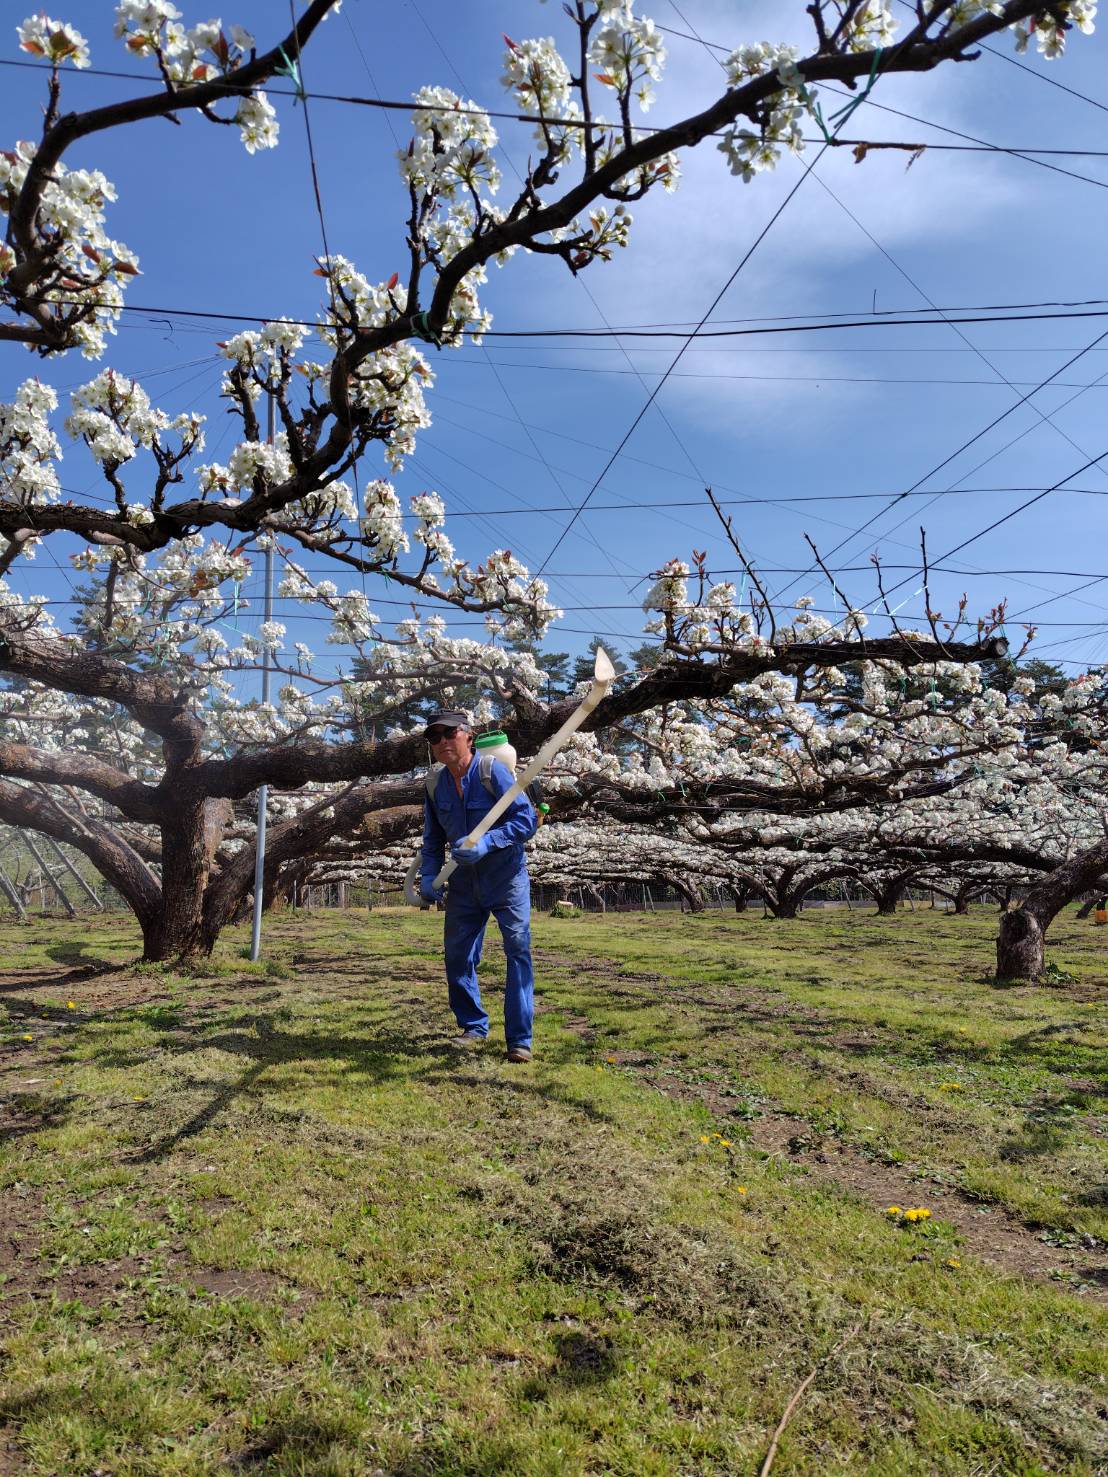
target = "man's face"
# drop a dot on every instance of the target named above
(450, 746)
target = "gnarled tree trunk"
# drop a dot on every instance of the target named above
(889, 894)
(964, 895)
(688, 891)
(1020, 946)
(189, 843)
(787, 906)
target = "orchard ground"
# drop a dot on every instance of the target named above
(266, 1219)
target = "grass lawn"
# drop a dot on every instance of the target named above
(265, 1219)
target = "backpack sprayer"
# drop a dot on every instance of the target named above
(602, 678)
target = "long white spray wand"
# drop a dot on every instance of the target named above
(603, 676)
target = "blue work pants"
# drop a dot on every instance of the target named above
(463, 936)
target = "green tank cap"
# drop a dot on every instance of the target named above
(490, 740)
(544, 808)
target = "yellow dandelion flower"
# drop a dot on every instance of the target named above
(704, 1139)
(725, 1143)
(950, 1087)
(963, 1030)
(71, 1005)
(138, 1099)
(610, 1060)
(952, 1261)
(741, 1189)
(57, 1082)
(892, 1209)
(27, 1036)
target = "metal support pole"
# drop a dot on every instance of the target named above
(73, 872)
(48, 876)
(8, 889)
(263, 790)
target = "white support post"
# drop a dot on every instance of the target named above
(263, 790)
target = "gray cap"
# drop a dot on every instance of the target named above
(448, 718)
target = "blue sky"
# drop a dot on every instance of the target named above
(527, 425)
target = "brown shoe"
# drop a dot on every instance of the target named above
(519, 1053)
(467, 1039)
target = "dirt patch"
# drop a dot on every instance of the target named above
(239, 1283)
(100, 1284)
(12, 1460)
(24, 1275)
(20, 1212)
(94, 1285)
(579, 1026)
(987, 1231)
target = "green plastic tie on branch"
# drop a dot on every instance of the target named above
(840, 117)
(421, 327)
(292, 72)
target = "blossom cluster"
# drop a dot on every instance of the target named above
(113, 416)
(1051, 24)
(28, 446)
(750, 151)
(871, 25)
(539, 80)
(262, 356)
(55, 41)
(86, 267)
(197, 54)
(629, 52)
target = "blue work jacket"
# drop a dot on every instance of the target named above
(449, 817)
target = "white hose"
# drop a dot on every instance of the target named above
(412, 893)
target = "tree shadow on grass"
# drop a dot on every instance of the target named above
(582, 1361)
(30, 1113)
(310, 1443)
(74, 952)
(1033, 1141)
(391, 1054)
(1054, 1048)
(304, 1437)
(24, 983)
(487, 1454)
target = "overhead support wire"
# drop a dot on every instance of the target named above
(808, 168)
(879, 320)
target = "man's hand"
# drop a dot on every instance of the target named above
(467, 856)
(429, 892)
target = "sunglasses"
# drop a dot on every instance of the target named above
(436, 735)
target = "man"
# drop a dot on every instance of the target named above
(491, 878)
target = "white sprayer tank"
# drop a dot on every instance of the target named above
(498, 746)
